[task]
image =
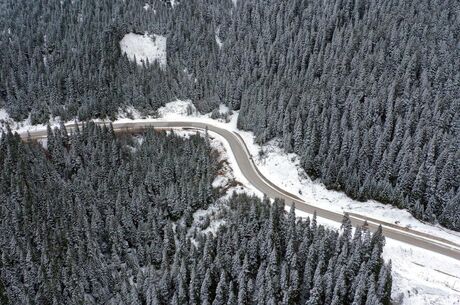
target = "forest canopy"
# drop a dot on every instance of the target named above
(366, 92)
(99, 218)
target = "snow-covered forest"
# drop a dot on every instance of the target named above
(366, 92)
(94, 218)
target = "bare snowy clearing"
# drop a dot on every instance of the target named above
(143, 48)
(178, 107)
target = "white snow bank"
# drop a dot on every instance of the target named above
(178, 107)
(144, 47)
(25, 125)
(284, 170)
(223, 109)
(422, 277)
(220, 181)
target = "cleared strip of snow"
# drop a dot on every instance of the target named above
(282, 169)
(234, 166)
(141, 48)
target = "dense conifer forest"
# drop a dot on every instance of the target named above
(95, 218)
(366, 92)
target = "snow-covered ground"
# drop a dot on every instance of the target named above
(420, 276)
(3, 114)
(144, 47)
(227, 179)
(178, 107)
(284, 170)
(25, 125)
(148, 7)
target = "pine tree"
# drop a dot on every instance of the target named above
(221, 290)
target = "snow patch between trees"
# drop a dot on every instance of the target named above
(143, 48)
(178, 107)
(218, 41)
(223, 109)
(25, 125)
(4, 116)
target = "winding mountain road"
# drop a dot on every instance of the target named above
(252, 174)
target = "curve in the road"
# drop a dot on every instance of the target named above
(253, 175)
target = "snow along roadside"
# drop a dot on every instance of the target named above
(280, 168)
(420, 276)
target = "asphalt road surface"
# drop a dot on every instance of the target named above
(252, 174)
